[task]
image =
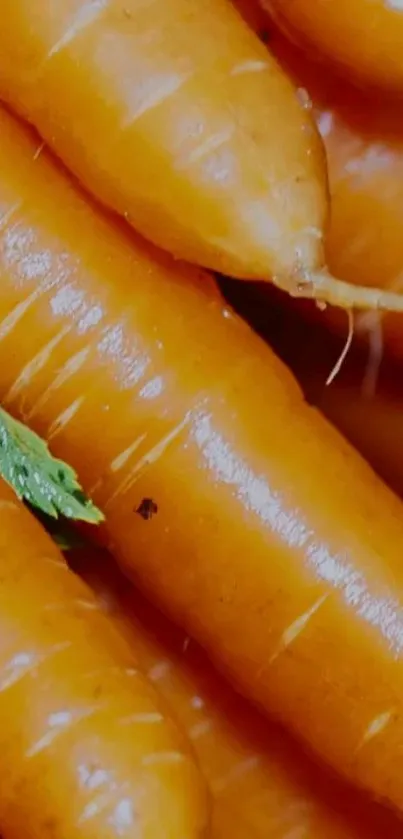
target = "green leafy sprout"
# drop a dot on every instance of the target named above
(47, 484)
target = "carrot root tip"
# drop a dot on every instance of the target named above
(327, 290)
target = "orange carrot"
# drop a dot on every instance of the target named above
(365, 399)
(178, 118)
(361, 38)
(364, 145)
(371, 420)
(262, 785)
(237, 506)
(87, 750)
(254, 15)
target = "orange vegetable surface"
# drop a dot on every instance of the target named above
(361, 38)
(196, 442)
(181, 120)
(364, 144)
(262, 785)
(365, 399)
(172, 119)
(87, 751)
(372, 420)
(363, 138)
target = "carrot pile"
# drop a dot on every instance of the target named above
(142, 144)
(180, 120)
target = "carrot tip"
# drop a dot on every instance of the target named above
(325, 289)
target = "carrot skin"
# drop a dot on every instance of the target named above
(179, 119)
(364, 142)
(365, 399)
(262, 784)
(362, 39)
(80, 757)
(163, 399)
(363, 139)
(372, 421)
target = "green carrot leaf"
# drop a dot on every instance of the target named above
(47, 484)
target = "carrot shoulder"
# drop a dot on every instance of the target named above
(262, 784)
(87, 750)
(231, 501)
(178, 118)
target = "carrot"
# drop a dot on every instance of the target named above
(365, 398)
(364, 143)
(178, 118)
(361, 38)
(87, 748)
(371, 420)
(364, 146)
(243, 513)
(262, 785)
(254, 15)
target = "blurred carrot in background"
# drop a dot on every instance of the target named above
(361, 39)
(180, 120)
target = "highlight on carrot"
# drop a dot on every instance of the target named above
(181, 120)
(362, 39)
(261, 783)
(87, 748)
(195, 441)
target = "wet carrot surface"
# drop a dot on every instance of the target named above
(182, 121)
(178, 118)
(87, 748)
(243, 513)
(262, 784)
